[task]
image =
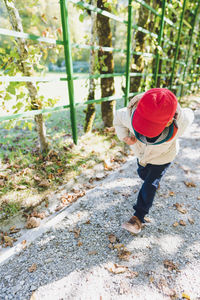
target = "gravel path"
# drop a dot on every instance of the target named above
(88, 256)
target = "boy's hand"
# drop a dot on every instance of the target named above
(130, 140)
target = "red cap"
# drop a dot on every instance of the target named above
(154, 110)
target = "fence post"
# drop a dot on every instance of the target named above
(190, 44)
(159, 43)
(128, 53)
(69, 66)
(177, 43)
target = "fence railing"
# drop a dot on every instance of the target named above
(161, 40)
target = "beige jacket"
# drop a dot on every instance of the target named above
(153, 154)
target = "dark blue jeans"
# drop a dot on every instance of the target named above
(151, 174)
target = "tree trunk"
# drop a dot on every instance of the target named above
(106, 64)
(154, 26)
(138, 60)
(90, 112)
(27, 70)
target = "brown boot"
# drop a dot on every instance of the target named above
(134, 225)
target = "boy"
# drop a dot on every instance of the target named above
(151, 125)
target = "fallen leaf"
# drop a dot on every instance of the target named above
(92, 252)
(113, 144)
(110, 246)
(36, 178)
(59, 30)
(3, 176)
(77, 232)
(180, 208)
(58, 208)
(50, 176)
(147, 220)
(44, 183)
(151, 279)
(87, 222)
(182, 223)
(107, 166)
(124, 254)
(132, 274)
(13, 229)
(185, 296)
(189, 184)
(21, 187)
(198, 198)
(112, 238)
(33, 268)
(116, 269)
(40, 215)
(119, 246)
(24, 244)
(175, 224)
(80, 243)
(171, 193)
(33, 223)
(8, 240)
(170, 265)
(191, 221)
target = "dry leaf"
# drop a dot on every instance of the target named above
(36, 178)
(112, 238)
(59, 171)
(132, 274)
(87, 222)
(33, 268)
(58, 208)
(110, 246)
(80, 243)
(13, 229)
(191, 221)
(92, 252)
(119, 246)
(21, 187)
(116, 269)
(44, 183)
(77, 232)
(171, 193)
(124, 254)
(180, 208)
(33, 223)
(107, 166)
(147, 220)
(170, 265)
(182, 223)
(50, 176)
(151, 279)
(175, 224)
(8, 240)
(113, 144)
(40, 215)
(198, 198)
(3, 176)
(189, 184)
(184, 295)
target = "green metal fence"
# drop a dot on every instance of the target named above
(164, 21)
